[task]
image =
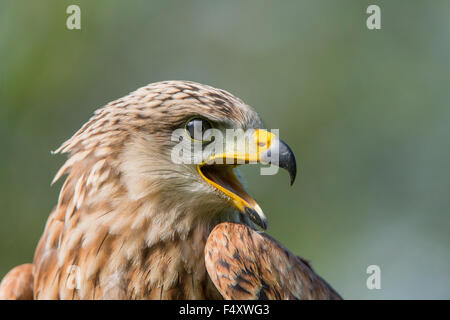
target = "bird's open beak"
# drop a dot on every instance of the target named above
(261, 147)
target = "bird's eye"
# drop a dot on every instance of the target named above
(196, 127)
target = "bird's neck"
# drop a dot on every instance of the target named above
(157, 243)
(165, 251)
(149, 246)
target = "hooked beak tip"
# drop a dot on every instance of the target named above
(287, 160)
(281, 155)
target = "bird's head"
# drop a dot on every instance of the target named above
(177, 143)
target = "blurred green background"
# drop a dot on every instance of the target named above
(366, 112)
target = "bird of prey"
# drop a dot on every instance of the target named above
(132, 223)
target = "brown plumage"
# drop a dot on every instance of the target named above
(132, 224)
(245, 264)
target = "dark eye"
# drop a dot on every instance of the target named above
(196, 128)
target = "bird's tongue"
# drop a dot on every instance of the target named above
(225, 177)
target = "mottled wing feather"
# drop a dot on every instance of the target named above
(246, 264)
(18, 283)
